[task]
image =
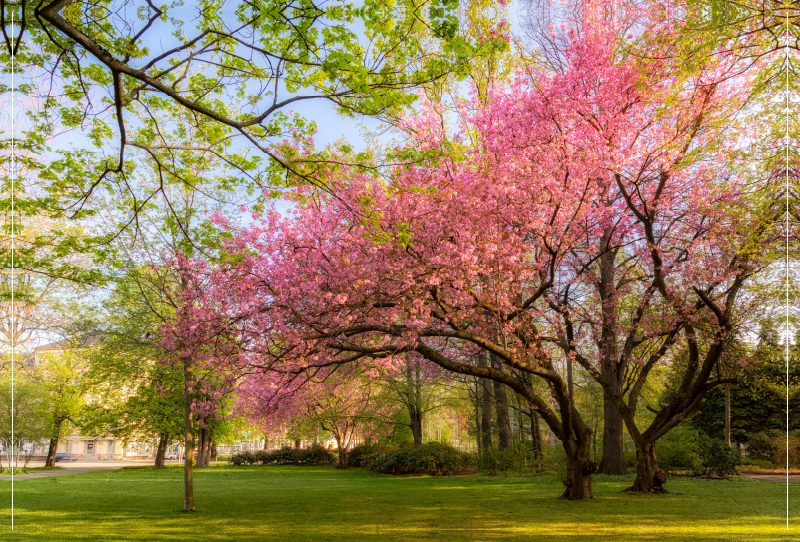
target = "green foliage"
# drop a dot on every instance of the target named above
(678, 449)
(364, 454)
(431, 458)
(496, 461)
(315, 455)
(716, 457)
(761, 445)
(771, 447)
(26, 403)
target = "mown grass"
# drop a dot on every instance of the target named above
(309, 503)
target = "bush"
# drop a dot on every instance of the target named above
(243, 458)
(761, 446)
(316, 455)
(365, 453)
(716, 457)
(431, 458)
(679, 449)
(498, 461)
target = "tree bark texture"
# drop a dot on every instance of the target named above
(649, 477)
(580, 467)
(536, 436)
(51, 452)
(504, 436)
(161, 451)
(486, 406)
(416, 416)
(613, 460)
(203, 447)
(188, 438)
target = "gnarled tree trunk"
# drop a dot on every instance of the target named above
(649, 477)
(580, 467)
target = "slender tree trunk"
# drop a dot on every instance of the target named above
(504, 437)
(162, 450)
(536, 437)
(486, 406)
(51, 452)
(649, 477)
(188, 484)
(613, 461)
(478, 440)
(416, 424)
(728, 414)
(204, 447)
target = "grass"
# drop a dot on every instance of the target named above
(322, 503)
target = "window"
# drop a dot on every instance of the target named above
(90, 448)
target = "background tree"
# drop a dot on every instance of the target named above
(60, 377)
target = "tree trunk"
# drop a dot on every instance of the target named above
(580, 467)
(478, 440)
(536, 437)
(51, 453)
(728, 414)
(188, 484)
(162, 450)
(342, 464)
(486, 407)
(416, 424)
(649, 477)
(204, 447)
(504, 437)
(613, 461)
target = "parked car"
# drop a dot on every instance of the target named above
(171, 455)
(66, 457)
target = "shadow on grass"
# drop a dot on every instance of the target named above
(312, 503)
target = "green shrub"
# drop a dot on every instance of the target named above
(365, 453)
(679, 449)
(716, 457)
(316, 455)
(761, 445)
(243, 458)
(431, 458)
(498, 461)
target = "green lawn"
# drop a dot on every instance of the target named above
(306, 503)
